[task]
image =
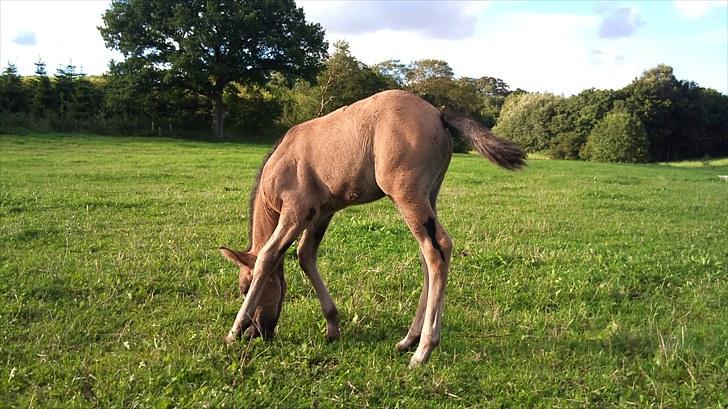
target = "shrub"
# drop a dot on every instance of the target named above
(527, 120)
(618, 137)
(567, 146)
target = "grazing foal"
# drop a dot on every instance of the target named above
(392, 144)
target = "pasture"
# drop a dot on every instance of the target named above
(572, 285)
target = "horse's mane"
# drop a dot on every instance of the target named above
(254, 191)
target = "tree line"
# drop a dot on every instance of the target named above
(134, 98)
(655, 117)
(248, 70)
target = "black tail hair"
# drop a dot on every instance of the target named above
(502, 152)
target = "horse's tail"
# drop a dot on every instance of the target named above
(502, 152)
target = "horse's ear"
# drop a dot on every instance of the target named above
(240, 258)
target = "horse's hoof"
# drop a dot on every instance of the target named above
(332, 333)
(406, 344)
(420, 357)
(416, 361)
(414, 364)
(230, 338)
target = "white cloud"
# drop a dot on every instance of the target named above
(695, 9)
(556, 52)
(537, 52)
(24, 38)
(620, 23)
(64, 32)
(430, 19)
(561, 53)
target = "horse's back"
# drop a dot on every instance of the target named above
(362, 151)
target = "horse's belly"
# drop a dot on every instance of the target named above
(359, 189)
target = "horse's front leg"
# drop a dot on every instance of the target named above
(269, 257)
(307, 250)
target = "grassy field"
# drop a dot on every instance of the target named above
(572, 285)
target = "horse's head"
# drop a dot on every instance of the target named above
(269, 306)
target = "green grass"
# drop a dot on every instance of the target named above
(572, 285)
(720, 163)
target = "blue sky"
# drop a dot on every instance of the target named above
(559, 47)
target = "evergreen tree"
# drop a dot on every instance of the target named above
(65, 87)
(43, 97)
(13, 94)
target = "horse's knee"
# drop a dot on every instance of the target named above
(305, 258)
(301, 255)
(265, 265)
(445, 244)
(438, 238)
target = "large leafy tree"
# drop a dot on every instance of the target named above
(574, 119)
(490, 93)
(393, 71)
(655, 97)
(131, 90)
(421, 71)
(343, 81)
(433, 80)
(207, 45)
(346, 80)
(618, 137)
(682, 119)
(528, 120)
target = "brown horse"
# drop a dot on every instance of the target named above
(392, 144)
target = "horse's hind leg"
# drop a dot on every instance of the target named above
(436, 248)
(415, 329)
(307, 254)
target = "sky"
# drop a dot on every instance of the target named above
(561, 47)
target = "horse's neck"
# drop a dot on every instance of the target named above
(264, 223)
